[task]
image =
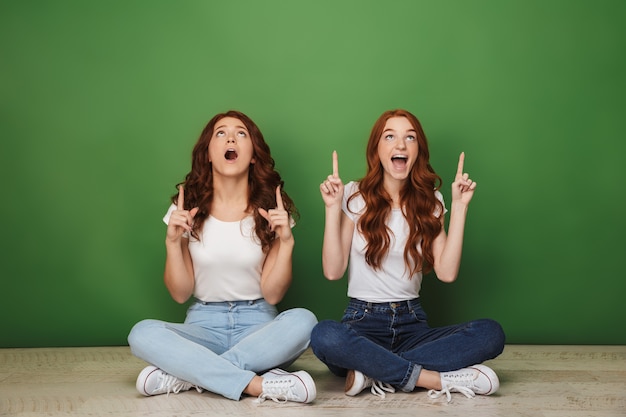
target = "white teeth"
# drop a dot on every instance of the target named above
(399, 157)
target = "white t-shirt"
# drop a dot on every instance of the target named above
(227, 260)
(392, 281)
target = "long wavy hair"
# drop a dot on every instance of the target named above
(262, 180)
(417, 199)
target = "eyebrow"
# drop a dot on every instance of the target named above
(393, 130)
(236, 127)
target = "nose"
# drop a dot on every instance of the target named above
(400, 144)
(230, 139)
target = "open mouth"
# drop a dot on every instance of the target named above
(230, 155)
(399, 161)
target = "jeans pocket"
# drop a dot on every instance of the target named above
(352, 315)
(266, 308)
(419, 315)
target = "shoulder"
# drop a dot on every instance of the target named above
(166, 218)
(352, 206)
(351, 188)
(439, 197)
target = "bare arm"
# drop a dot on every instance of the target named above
(277, 271)
(276, 276)
(338, 228)
(338, 231)
(178, 275)
(447, 248)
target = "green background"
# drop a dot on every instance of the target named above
(101, 103)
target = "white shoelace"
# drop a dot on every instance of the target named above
(379, 389)
(176, 385)
(278, 394)
(446, 390)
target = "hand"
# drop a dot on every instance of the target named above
(278, 218)
(462, 187)
(332, 188)
(180, 219)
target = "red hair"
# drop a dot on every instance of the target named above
(262, 179)
(417, 199)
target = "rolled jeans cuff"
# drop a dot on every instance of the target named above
(412, 380)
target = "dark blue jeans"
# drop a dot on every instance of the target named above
(392, 342)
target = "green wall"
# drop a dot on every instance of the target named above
(101, 103)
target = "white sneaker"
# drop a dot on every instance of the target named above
(477, 379)
(154, 381)
(280, 386)
(356, 382)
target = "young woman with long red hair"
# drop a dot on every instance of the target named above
(229, 245)
(390, 227)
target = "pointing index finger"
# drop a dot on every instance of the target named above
(279, 199)
(335, 165)
(459, 170)
(181, 198)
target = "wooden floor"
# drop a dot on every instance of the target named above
(550, 381)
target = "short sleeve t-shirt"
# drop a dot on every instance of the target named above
(227, 260)
(392, 281)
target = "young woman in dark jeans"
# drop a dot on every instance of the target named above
(390, 226)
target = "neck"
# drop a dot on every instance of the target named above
(230, 192)
(393, 188)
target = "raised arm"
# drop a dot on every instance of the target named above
(338, 228)
(447, 249)
(277, 269)
(178, 275)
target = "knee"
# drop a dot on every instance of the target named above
(326, 335)
(138, 333)
(298, 323)
(304, 318)
(494, 336)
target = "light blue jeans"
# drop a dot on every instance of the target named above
(221, 346)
